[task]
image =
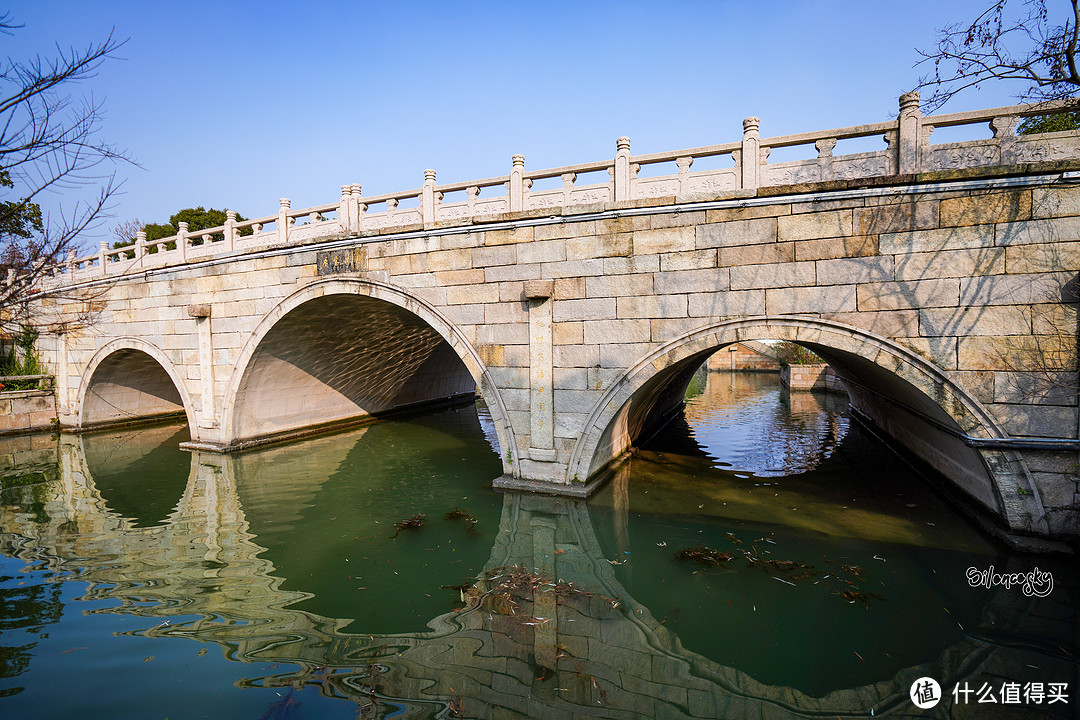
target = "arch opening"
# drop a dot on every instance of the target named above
(912, 402)
(129, 385)
(340, 358)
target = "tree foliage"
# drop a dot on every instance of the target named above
(48, 144)
(789, 353)
(197, 218)
(1033, 42)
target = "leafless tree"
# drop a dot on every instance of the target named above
(1021, 41)
(49, 144)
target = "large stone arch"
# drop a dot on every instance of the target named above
(878, 371)
(130, 379)
(397, 317)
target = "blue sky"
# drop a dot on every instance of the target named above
(236, 104)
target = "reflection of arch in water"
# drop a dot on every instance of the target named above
(340, 350)
(128, 379)
(602, 662)
(880, 375)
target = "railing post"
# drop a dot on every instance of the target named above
(750, 157)
(102, 247)
(11, 276)
(516, 191)
(909, 128)
(70, 261)
(181, 241)
(427, 199)
(622, 169)
(140, 246)
(283, 220)
(344, 210)
(230, 230)
(356, 207)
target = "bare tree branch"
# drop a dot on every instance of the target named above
(49, 144)
(1009, 40)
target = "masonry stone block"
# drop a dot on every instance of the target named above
(801, 300)
(692, 281)
(846, 271)
(605, 331)
(472, 294)
(726, 304)
(1036, 420)
(969, 321)
(908, 294)
(507, 273)
(667, 240)
(737, 232)
(1020, 289)
(1032, 232)
(596, 308)
(652, 306)
(631, 265)
(570, 379)
(622, 355)
(622, 224)
(902, 243)
(1043, 258)
(508, 334)
(459, 277)
(598, 246)
(1035, 386)
(498, 255)
(618, 286)
(891, 323)
(542, 251)
(1051, 353)
(690, 259)
(951, 263)
(985, 208)
(572, 268)
(899, 217)
(465, 314)
(755, 254)
(568, 333)
(505, 312)
(1051, 202)
(837, 223)
(577, 355)
(942, 351)
(747, 213)
(750, 277)
(508, 237)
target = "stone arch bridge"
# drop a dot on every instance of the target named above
(938, 279)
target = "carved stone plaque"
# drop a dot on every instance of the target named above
(336, 262)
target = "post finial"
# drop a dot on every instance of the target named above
(750, 124)
(909, 101)
(622, 143)
(518, 161)
(286, 203)
(429, 174)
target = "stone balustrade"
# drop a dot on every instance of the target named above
(908, 150)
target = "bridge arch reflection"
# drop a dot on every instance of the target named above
(206, 561)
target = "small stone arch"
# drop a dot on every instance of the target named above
(131, 379)
(651, 389)
(425, 315)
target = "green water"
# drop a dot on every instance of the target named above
(141, 581)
